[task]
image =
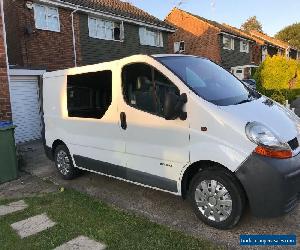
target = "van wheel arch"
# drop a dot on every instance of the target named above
(196, 167)
(55, 144)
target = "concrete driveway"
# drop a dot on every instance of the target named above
(160, 207)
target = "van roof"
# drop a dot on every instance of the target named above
(91, 68)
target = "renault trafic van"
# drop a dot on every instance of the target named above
(179, 124)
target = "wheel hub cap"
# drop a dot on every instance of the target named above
(63, 162)
(213, 200)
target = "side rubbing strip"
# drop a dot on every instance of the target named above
(126, 173)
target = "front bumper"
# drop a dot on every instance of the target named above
(272, 185)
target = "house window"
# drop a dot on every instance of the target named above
(89, 95)
(179, 47)
(151, 37)
(46, 18)
(228, 43)
(244, 46)
(105, 29)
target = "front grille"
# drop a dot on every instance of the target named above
(294, 144)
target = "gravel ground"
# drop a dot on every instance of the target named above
(160, 207)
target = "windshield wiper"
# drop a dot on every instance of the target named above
(249, 99)
(244, 101)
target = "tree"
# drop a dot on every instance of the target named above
(290, 34)
(252, 24)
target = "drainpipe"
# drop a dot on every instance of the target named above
(73, 35)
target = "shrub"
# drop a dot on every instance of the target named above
(278, 72)
(278, 97)
(279, 76)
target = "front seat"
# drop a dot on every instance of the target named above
(144, 95)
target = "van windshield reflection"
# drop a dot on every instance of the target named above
(209, 80)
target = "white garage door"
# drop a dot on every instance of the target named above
(25, 104)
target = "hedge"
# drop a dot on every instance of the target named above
(279, 77)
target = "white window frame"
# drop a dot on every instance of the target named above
(264, 53)
(145, 33)
(102, 36)
(287, 52)
(242, 44)
(231, 42)
(177, 47)
(47, 8)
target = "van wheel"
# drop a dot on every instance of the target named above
(217, 198)
(64, 163)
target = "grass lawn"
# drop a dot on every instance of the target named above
(78, 214)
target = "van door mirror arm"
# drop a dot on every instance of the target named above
(174, 106)
(179, 107)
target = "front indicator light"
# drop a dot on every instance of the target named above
(280, 154)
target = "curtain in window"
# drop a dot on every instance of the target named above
(40, 17)
(109, 30)
(142, 34)
(52, 20)
(150, 37)
(93, 27)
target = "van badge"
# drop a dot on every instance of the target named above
(166, 164)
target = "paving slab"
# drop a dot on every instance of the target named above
(32, 225)
(12, 207)
(81, 243)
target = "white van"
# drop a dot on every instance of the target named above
(179, 124)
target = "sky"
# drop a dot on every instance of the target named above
(273, 14)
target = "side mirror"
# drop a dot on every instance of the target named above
(173, 106)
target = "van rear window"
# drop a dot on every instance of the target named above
(90, 94)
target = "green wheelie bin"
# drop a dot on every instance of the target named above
(8, 157)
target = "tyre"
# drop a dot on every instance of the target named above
(217, 198)
(64, 163)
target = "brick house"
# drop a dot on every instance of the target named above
(199, 36)
(234, 49)
(5, 108)
(267, 46)
(272, 46)
(47, 35)
(57, 34)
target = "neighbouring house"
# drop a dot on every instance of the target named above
(236, 50)
(54, 34)
(273, 46)
(222, 44)
(47, 35)
(5, 107)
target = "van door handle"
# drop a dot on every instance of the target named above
(123, 120)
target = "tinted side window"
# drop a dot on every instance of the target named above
(145, 88)
(89, 95)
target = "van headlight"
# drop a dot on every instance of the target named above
(267, 142)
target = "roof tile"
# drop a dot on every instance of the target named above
(120, 8)
(270, 40)
(222, 27)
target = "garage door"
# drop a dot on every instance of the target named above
(25, 103)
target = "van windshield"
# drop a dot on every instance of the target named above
(209, 81)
